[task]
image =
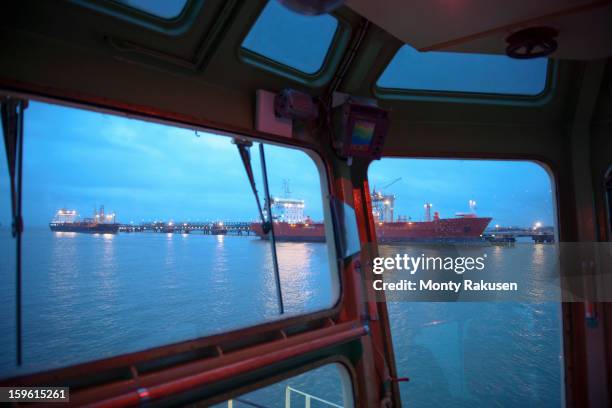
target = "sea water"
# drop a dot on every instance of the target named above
(87, 297)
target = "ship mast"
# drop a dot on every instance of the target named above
(428, 211)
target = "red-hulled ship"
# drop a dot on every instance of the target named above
(294, 232)
(291, 225)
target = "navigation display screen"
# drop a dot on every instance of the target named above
(363, 133)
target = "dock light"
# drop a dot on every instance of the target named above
(537, 225)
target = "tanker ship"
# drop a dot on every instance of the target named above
(68, 221)
(290, 224)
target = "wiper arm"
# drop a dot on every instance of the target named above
(11, 116)
(245, 154)
(266, 222)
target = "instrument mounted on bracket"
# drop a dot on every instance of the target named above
(532, 42)
(358, 126)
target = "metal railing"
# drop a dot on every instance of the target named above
(308, 398)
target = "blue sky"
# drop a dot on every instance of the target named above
(460, 72)
(141, 170)
(79, 159)
(144, 171)
(291, 38)
(163, 8)
(513, 193)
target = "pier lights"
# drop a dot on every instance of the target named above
(537, 225)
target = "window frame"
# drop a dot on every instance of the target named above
(401, 94)
(338, 359)
(297, 324)
(567, 337)
(151, 14)
(319, 78)
(176, 25)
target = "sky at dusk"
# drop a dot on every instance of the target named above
(79, 159)
(513, 193)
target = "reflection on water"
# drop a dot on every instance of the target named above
(89, 297)
(466, 354)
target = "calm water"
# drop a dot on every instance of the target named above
(88, 297)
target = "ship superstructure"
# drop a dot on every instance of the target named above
(288, 210)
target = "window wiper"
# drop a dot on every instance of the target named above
(267, 225)
(244, 147)
(11, 112)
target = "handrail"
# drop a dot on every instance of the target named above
(283, 350)
(308, 398)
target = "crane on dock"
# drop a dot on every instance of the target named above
(382, 204)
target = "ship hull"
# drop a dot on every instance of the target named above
(285, 232)
(446, 230)
(85, 228)
(449, 230)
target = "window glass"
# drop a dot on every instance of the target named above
(475, 347)
(167, 9)
(291, 39)
(328, 386)
(461, 72)
(140, 235)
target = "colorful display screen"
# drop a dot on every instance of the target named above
(363, 133)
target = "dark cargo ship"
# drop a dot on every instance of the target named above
(100, 223)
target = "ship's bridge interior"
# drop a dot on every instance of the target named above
(438, 75)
